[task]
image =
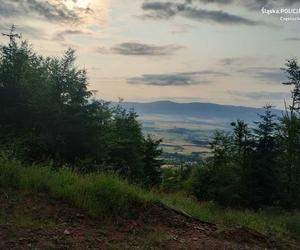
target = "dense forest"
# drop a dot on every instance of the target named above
(48, 115)
(256, 166)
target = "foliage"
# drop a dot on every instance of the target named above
(152, 167)
(272, 222)
(49, 114)
(109, 197)
(258, 167)
(175, 177)
(103, 195)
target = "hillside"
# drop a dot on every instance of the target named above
(52, 224)
(45, 209)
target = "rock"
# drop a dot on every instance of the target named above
(67, 232)
(200, 229)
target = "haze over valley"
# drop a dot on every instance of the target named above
(187, 128)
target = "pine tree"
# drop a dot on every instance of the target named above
(261, 177)
(152, 170)
(48, 113)
(290, 138)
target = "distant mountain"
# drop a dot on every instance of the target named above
(197, 110)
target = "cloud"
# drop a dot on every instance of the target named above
(165, 80)
(167, 10)
(176, 79)
(69, 32)
(54, 11)
(211, 73)
(262, 95)
(144, 49)
(103, 50)
(237, 61)
(9, 8)
(229, 61)
(51, 10)
(140, 49)
(25, 30)
(292, 39)
(31, 31)
(258, 4)
(218, 17)
(271, 75)
(251, 4)
(215, 1)
(181, 28)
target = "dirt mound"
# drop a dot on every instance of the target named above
(37, 222)
(243, 235)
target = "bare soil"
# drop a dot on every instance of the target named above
(37, 222)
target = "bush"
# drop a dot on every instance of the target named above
(214, 184)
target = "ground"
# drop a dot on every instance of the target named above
(38, 222)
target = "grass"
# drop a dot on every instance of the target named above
(108, 196)
(101, 195)
(277, 223)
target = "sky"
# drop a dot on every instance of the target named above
(218, 51)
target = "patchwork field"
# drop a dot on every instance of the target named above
(182, 135)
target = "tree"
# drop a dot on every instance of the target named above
(152, 170)
(293, 73)
(242, 142)
(261, 177)
(256, 168)
(23, 87)
(290, 160)
(48, 113)
(127, 148)
(218, 179)
(290, 138)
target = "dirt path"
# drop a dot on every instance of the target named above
(36, 222)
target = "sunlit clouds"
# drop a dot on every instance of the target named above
(72, 4)
(213, 51)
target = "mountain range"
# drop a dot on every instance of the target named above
(197, 110)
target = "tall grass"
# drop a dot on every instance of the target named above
(101, 195)
(107, 196)
(272, 222)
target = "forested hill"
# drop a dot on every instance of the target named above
(197, 109)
